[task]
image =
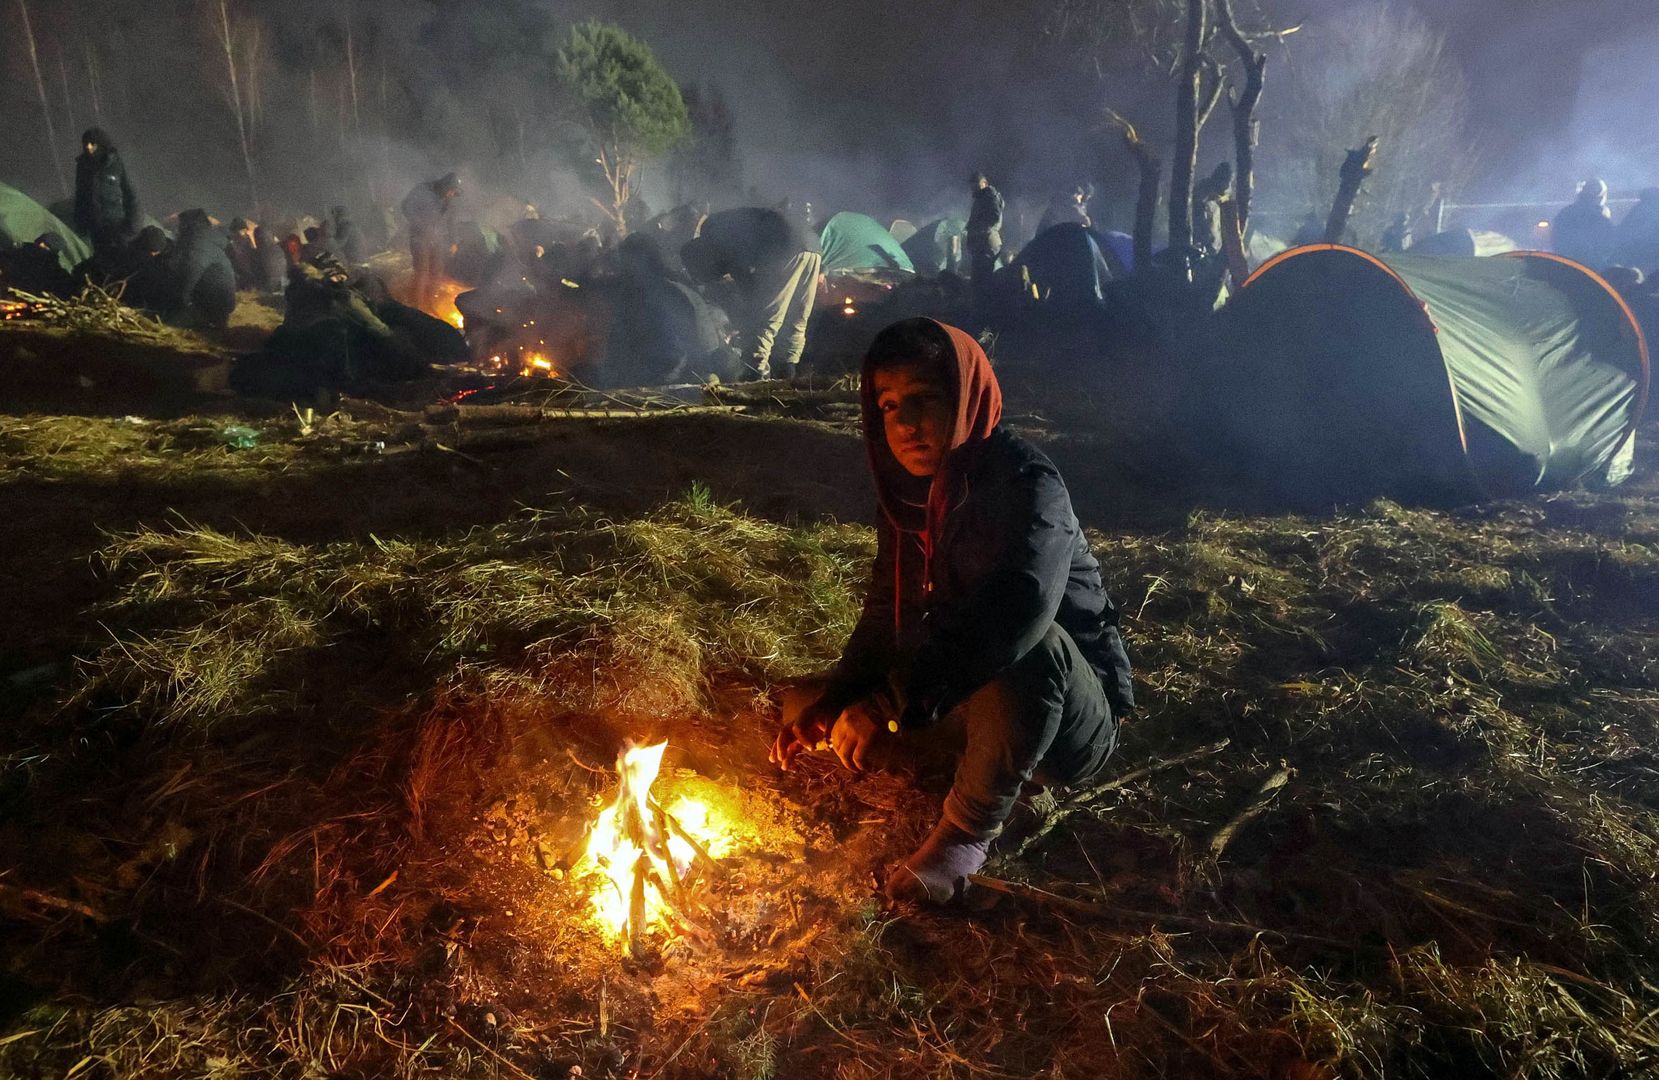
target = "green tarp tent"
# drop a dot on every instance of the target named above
(22, 221)
(1347, 376)
(857, 242)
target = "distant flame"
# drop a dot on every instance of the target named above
(645, 853)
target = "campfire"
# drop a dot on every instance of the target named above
(647, 858)
(443, 303)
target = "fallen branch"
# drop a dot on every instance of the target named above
(1093, 908)
(35, 898)
(1253, 810)
(1084, 798)
(487, 415)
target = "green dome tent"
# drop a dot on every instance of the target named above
(1347, 376)
(22, 221)
(856, 242)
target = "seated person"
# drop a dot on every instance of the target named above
(984, 602)
(37, 268)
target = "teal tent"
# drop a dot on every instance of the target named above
(22, 221)
(1344, 375)
(857, 242)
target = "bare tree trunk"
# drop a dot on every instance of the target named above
(1246, 128)
(227, 39)
(45, 106)
(250, 64)
(1146, 193)
(92, 84)
(1185, 160)
(68, 98)
(619, 176)
(351, 80)
(1354, 171)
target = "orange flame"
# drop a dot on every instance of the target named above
(643, 852)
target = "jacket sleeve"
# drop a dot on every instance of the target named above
(129, 202)
(83, 199)
(869, 654)
(975, 637)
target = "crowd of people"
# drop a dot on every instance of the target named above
(686, 295)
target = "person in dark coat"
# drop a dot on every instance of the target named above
(1637, 242)
(145, 266)
(984, 604)
(1070, 208)
(1397, 237)
(271, 259)
(775, 267)
(347, 238)
(983, 239)
(426, 210)
(204, 283)
(1583, 231)
(37, 268)
(243, 253)
(106, 207)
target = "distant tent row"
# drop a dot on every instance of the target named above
(23, 221)
(1347, 374)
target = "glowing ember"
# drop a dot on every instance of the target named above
(646, 854)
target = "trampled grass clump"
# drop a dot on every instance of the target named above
(686, 594)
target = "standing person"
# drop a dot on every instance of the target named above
(1070, 208)
(775, 266)
(1583, 230)
(271, 260)
(985, 604)
(983, 239)
(347, 238)
(426, 210)
(1637, 242)
(106, 207)
(244, 254)
(1397, 237)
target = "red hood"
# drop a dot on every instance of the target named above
(978, 411)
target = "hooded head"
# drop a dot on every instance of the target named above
(930, 400)
(447, 186)
(97, 138)
(1593, 190)
(192, 222)
(152, 240)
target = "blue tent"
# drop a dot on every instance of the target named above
(855, 242)
(1066, 266)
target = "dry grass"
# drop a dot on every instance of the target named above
(1458, 879)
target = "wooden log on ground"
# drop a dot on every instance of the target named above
(498, 415)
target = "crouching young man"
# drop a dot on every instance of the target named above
(984, 602)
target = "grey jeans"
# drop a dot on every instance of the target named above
(1046, 718)
(783, 300)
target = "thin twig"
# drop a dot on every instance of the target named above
(1083, 798)
(1254, 809)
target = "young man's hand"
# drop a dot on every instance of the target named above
(853, 735)
(807, 731)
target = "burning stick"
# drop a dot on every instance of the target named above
(647, 855)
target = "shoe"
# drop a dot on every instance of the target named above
(939, 869)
